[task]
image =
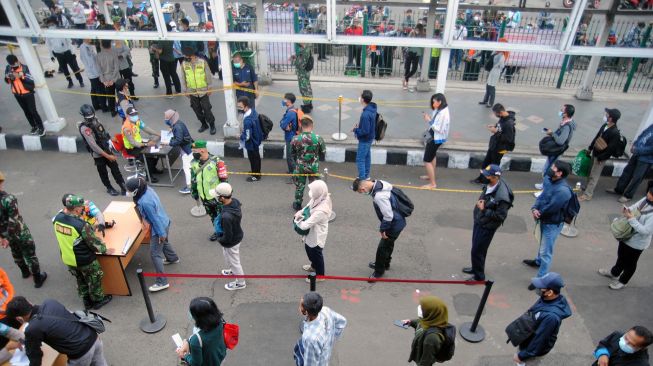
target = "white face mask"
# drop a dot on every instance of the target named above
(310, 194)
(419, 311)
(605, 119)
(131, 193)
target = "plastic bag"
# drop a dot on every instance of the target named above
(582, 164)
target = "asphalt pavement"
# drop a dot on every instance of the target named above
(435, 245)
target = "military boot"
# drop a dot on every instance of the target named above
(88, 304)
(25, 272)
(39, 279)
(101, 303)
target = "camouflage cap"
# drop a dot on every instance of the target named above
(199, 144)
(73, 201)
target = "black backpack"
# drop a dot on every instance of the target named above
(520, 329)
(448, 345)
(620, 148)
(572, 209)
(489, 63)
(380, 126)
(266, 125)
(309, 64)
(404, 204)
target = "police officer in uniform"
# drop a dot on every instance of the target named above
(78, 245)
(16, 235)
(97, 141)
(207, 171)
(197, 79)
(307, 148)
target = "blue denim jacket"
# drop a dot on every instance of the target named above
(152, 211)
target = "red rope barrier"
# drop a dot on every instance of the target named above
(337, 278)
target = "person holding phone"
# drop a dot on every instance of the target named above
(640, 218)
(206, 347)
(502, 140)
(432, 319)
(438, 130)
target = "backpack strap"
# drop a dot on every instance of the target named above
(199, 338)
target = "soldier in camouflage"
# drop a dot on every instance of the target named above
(16, 235)
(78, 245)
(301, 61)
(307, 149)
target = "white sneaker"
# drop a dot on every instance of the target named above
(308, 280)
(539, 186)
(606, 273)
(226, 272)
(308, 268)
(537, 194)
(165, 261)
(616, 285)
(156, 287)
(232, 286)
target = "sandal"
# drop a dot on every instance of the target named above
(428, 186)
(423, 177)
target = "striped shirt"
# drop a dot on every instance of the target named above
(316, 344)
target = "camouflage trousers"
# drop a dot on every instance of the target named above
(24, 252)
(300, 185)
(89, 281)
(305, 87)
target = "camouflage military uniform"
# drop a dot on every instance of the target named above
(89, 277)
(17, 233)
(303, 76)
(307, 147)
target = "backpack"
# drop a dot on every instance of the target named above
(90, 319)
(380, 126)
(266, 125)
(620, 148)
(404, 204)
(309, 64)
(300, 115)
(520, 329)
(489, 63)
(572, 208)
(448, 345)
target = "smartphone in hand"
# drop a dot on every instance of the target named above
(401, 324)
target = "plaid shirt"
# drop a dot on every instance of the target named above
(315, 346)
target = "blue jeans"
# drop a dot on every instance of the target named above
(364, 159)
(549, 161)
(158, 251)
(550, 233)
(631, 177)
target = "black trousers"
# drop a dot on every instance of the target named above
(317, 259)
(481, 239)
(155, 69)
(28, 103)
(490, 94)
(101, 164)
(321, 49)
(632, 176)
(98, 102)
(354, 55)
(491, 157)
(128, 75)
(384, 253)
(68, 59)
(375, 63)
(212, 208)
(254, 162)
(387, 53)
(201, 105)
(410, 68)
(170, 77)
(626, 265)
(110, 101)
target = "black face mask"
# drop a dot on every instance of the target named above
(649, 202)
(187, 59)
(197, 156)
(551, 174)
(241, 111)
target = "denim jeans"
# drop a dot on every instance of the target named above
(158, 251)
(550, 233)
(364, 159)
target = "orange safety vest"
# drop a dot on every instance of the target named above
(17, 86)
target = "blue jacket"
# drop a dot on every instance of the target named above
(643, 146)
(179, 131)
(152, 211)
(365, 131)
(553, 201)
(289, 118)
(548, 316)
(252, 134)
(385, 206)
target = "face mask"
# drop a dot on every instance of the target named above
(116, 7)
(627, 348)
(133, 118)
(197, 156)
(187, 59)
(560, 114)
(283, 103)
(131, 194)
(241, 111)
(15, 66)
(168, 123)
(543, 293)
(605, 119)
(310, 195)
(550, 173)
(476, 19)
(237, 65)
(360, 100)
(419, 312)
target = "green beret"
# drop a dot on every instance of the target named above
(199, 144)
(73, 201)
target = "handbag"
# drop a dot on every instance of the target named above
(621, 228)
(548, 147)
(306, 213)
(600, 144)
(521, 329)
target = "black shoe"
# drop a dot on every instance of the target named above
(134, 74)
(70, 84)
(373, 266)
(157, 171)
(39, 279)
(531, 287)
(468, 270)
(88, 304)
(33, 130)
(254, 179)
(81, 84)
(113, 113)
(154, 179)
(101, 303)
(296, 206)
(482, 102)
(112, 191)
(203, 128)
(212, 131)
(531, 263)
(123, 192)
(213, 237)
(373, 277)
(25, 272)
(40, 132)
(155, 86)
(136, 98)
(472, 278)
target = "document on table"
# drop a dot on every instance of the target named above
(166, 136)
(19, 358)
(155, 149)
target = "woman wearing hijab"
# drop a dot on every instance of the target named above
(431, 313)
(315, 218)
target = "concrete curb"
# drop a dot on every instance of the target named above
(335, 154)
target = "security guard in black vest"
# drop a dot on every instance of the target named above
(98, 143)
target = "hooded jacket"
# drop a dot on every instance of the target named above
(609, 346)
(385, 208)
(233, 233)
(504, 138)
(553, 201)
(643, 145)
(564, 133)
(548, 315)
(497, 204)
(366, 130)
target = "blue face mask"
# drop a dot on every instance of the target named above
(237, 65)
(627, 348)
(168, 123)
(133, 118)
(560, 114)
(283, 103)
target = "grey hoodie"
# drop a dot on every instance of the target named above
(564, 133)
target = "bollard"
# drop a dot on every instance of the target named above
(325, 176)
(472, 332)
(154, 322)
(339, 136)
(312, 278)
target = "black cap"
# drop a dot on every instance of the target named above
(52, 19)
(614, 114)
(188, 51)
(131, 111)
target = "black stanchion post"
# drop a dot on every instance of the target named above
(154, 322)
(312, 278)
(472, 332)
